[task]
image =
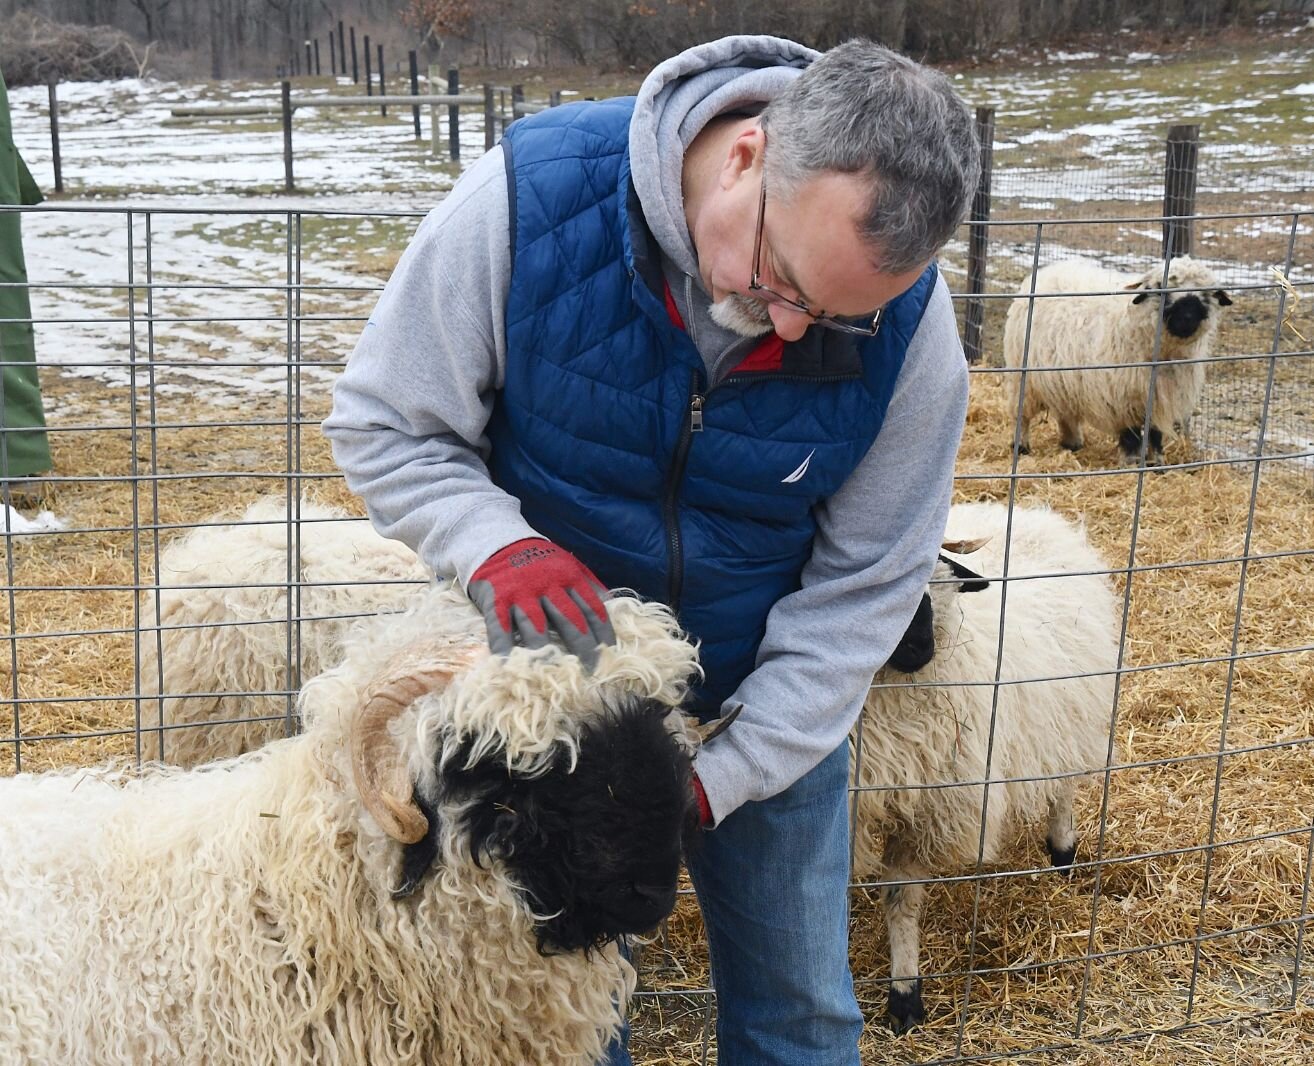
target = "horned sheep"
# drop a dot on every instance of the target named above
(217, 674)
(922, 752)
(1129, 335)
(438, 870)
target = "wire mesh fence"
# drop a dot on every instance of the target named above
(189, 358)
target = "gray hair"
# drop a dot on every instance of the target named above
(862, 108)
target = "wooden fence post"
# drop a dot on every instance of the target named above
(317, 57)
(369, 73)
(1179, 189)
(454, 115)
(310, 66)
(490, 119)
(287, 134)
(333, 53)
(979, 238)
(517, 99)
(54, 136)
(383, 108)
(554, 98)
(355, 69)
(342, 52)
(415, 89)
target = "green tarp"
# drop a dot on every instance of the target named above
(23, 446)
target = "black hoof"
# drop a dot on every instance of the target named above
(905, 1009)
(1023, 449)
(1061, 858)
(1071, 446)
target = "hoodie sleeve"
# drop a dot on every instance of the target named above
(411, 408)
(875, 548)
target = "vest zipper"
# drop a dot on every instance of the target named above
(693, 423)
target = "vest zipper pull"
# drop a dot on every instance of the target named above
(695, 413)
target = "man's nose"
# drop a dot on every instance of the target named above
(789, 324)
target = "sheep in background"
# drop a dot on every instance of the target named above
(437, 871)
(228, 643)
(936, 732)
(1078, 332)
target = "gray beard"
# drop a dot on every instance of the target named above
(739, 314)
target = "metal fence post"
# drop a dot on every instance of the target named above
(355, 69)
(333, 53)
(454, 114)
(317, 57)
(979, 238)
(310, 66)
(287, 134)
(490, 119)
(54, 137)
(1179, 189)
(342, 51)
(369, 72)
(383, 108)
(415, 89)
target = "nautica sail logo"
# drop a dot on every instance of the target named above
(797, 475)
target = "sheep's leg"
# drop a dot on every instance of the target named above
(1030, 408)
(1070, 433)
(903, 908)
(1061, 840)
(1130, 443)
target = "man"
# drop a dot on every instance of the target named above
(23, 446)
(690, 343)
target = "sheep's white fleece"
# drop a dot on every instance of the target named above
(1080, 331)
(234, 639)
(240, 912)
(938, 733)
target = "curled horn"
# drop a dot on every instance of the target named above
(965, 547)
(381, 776)
(707, 730)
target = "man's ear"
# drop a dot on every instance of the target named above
(744, 156)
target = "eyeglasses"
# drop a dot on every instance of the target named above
(819, 317)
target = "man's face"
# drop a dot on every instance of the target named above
(810, 250)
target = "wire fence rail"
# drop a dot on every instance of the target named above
(176, 402)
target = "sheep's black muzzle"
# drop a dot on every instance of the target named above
(1182, 317)
(594, 848)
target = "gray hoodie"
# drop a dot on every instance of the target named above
(410, 411)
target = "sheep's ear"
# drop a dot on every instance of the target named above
(1149, 280)
(964, 547)
(1223, 299)
(971, 581)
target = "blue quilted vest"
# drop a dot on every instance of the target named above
(607, 432)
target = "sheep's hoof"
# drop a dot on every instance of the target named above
(905, 1009)
(1023, 449)
(1061, 858)
(1072, 445)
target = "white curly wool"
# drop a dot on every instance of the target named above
(228, 644)
(1082, 331)
(240, 913)
(936, 730)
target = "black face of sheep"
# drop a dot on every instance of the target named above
(1184, 312)
(917, 645)
(595, 845)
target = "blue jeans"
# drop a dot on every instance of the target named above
(772, 882)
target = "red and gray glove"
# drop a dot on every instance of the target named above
(532, 586)
(700, 799)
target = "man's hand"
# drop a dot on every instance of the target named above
(532, 586)
(704, 808)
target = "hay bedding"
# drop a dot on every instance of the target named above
(1024, 1000)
